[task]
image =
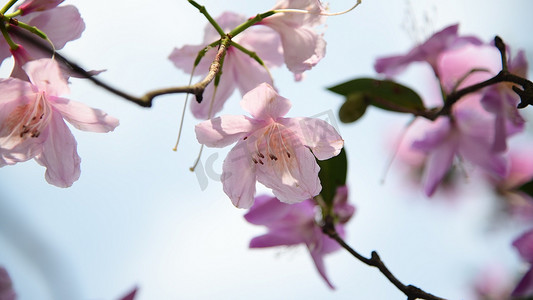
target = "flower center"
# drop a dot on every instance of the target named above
(30, 119)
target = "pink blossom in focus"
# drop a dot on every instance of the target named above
(293, 224)
(276, 151)
(60, 23)
(303, 47)
(32, 125)
(524, 245)
(6, 286)
(429, 51)
(239, 70)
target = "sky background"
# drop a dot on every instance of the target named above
(138, 217)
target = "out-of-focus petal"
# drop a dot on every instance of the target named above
(438, 163)
(130, 295)
(60, 156)
(266, 210)
(524, 245)
(21, 57)
(239, 176)
(248, 73)
(318, 259)
(263, 103)
(317, 134)
(265, 42)
(525, 286)
(38, 5)
(46, 75)
(223, 131)
(210, 105)
(6, 286)
(184, 58)
(84, 117)
(286, 237)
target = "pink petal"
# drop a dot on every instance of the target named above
(46, 75)
(21, 57)
(184, 58)
(223, 131)
(61, 24)
(38, 5)
(266, 210)
(292, 179)
(59, 154)
(265, 42)
(84, 117)
(248, 73)
(285, 237)
(525, 286)
(211, 106)
(4, 50)
(264, 103)
(318, 259)
(238, 176)
(524, 245)
(438, 163)
(316, 134)
(130, 295)
(518, 64)
(6, 286)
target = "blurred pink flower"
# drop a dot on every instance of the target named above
(32, 125)
(6, 286)
(239, 70)
(273, 150)
(303, 47)
(467, 134)
(429, 51)
(524, 245)
(295, 224)
(60, 23)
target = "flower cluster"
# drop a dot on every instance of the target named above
(285, 36)
(478, 125)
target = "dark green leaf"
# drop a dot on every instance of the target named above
(527, 188)
(385, 94)
(354, 108)
(332, 175)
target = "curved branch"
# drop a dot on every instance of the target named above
(146, 99)
(412, 292)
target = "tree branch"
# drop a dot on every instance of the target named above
(526, 93)
(412, 292)
(146, 99)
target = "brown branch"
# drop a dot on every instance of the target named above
(412, 292)
(526, 93)
(146, 99)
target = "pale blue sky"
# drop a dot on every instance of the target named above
(137, 216)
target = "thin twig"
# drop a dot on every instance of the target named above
(145, 100)
(526, 94)
(412, 292)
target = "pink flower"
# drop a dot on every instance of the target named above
(32, 125)
(295, 224)
(239, 70)
(524, 245)
(468, 135)
(273, 150)
(61, 24)
(429, 51)
(502, 101)
(519, 204)
(303, 47)
(6, 286)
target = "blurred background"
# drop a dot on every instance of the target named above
(139, 217)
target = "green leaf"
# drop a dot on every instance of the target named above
(385, 94)
(527, 188)
(332, 175)
(354, 108)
